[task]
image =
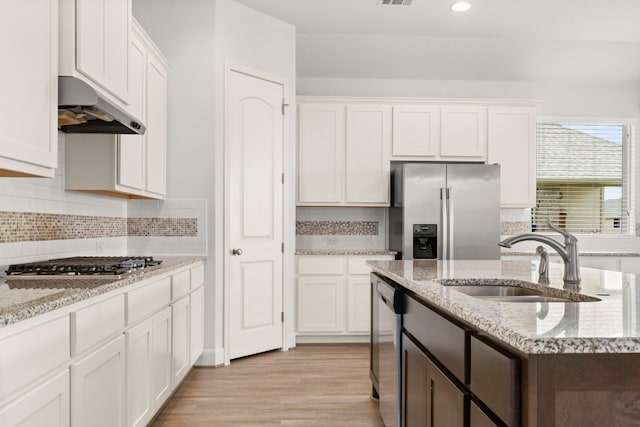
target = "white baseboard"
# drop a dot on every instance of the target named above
(331, 339)
(211, 357)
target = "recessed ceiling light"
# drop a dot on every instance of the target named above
(461, 6)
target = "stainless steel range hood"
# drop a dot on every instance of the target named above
(82, 109)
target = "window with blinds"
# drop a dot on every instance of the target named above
(581, 183)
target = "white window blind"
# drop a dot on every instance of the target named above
(581, 185)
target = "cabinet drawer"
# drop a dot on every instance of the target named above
(321, 265)
(30, 354)
(180, 284)
(495, 380)
(358, 265)
(95, 323)
(197, 276)
(143, 302)
(445, 340)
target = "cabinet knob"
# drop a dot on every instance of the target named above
(236, 251)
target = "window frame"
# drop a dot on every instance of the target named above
(629, 166)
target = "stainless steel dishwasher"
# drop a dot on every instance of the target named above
(386, 333)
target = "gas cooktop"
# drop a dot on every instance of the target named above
(83, 266)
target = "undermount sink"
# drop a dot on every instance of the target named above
(513, 291)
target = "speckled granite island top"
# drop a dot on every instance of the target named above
(611, 325)
(22, 299)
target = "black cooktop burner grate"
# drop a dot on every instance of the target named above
(82, 266)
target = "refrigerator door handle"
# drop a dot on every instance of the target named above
(444, 205)
(450, 222)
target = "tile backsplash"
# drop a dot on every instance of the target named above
(340, 228)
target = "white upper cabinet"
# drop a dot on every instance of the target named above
(321, 154)
(130, 166)
(464, 131)
(29, 88)
(367, 161)
(343, 154)
(416, 131)
(94, 44)
(512, 144)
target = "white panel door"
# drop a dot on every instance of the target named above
(255, 137)
(321, 153)
(464, 131)
(367, 161)
(416, 131)
(512, 144)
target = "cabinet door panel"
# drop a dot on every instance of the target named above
(478, 418)
(138, 342)
(414, 385)
(464, 131)
(445, 402)
(321, 302)
(160, 358)
(156, 133)
(197, 324)
(29, 141)
(359, 304)
(131, 148)
(180, 340)
(512, 144)
(98, 387)
(46, 405)
(102, 39)
(416, 131)
(321, 157)
(367, 161)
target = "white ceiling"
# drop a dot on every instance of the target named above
(587, 40)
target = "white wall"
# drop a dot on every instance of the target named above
(200, 38)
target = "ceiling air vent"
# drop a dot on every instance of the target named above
(395, 2)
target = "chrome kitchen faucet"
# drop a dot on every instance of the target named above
(568, 252)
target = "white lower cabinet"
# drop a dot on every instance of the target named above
(86, 366)
(148, 367)
(180, 344)
(196, 334)
(321, 304)
(333, 297)
(98, 386)
(139, 348)
(160, 358)
(47, 405)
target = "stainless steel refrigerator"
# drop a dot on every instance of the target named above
(445, 211)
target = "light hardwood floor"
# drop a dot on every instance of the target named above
(307, 386)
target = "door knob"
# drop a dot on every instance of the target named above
(236, 251)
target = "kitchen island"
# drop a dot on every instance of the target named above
(516, 363)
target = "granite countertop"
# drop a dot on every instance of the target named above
(611, 325)
(344, 252)
(24, 298)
